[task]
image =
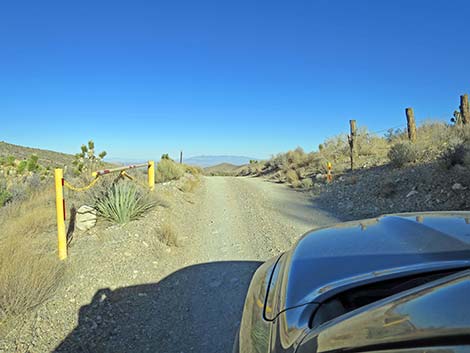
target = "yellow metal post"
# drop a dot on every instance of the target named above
(151, 178)
(329, 177)
(59, 202)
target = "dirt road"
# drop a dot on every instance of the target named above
(191, 301)
(250, 219)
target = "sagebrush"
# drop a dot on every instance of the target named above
(168, 170)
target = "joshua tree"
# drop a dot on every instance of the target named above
(457, 119)
(86, 160)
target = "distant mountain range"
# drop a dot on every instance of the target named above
(58, 159)
(209, 161)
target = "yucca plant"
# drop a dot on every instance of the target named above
(123, 203)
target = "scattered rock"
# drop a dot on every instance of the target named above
(411, 193)
(458, 186)
(86, 218)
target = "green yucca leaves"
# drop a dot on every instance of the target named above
(123, 203)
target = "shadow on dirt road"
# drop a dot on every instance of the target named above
(195, 309)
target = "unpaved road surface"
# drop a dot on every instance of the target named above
(251, 219)
(229, 227)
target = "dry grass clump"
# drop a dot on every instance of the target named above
(402, 153)
(168, 170)
(190, 184)
(306, 183)
(293, 178)
(29, 269)
(29, 218)
(193, 170)
(167, 234)
(458, 152)
(29, 274)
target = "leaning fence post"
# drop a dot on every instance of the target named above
(151, 176)
(60, 213)
(351, 140)
(411, 124)
(464, 109)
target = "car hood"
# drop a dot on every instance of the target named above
(333, 259)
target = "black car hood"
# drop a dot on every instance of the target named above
(329, 260)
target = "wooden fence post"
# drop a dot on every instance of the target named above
(464, 109)
(351, 140)
(411, 123)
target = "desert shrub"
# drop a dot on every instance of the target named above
(306, 183)
(434, 138)
(33, 182)
(297, 157)
(32, 163)
(5, 194)
(291, 176)
(457, 155)
(371, 145)
(283, 161)
(278, 161)
(10, 161)
(123, 203)
(19, 192)
(336, 148)
(189, 184)
(402, 153)
(21, 167)
(193, 170)
(168, 170)
(167, 234)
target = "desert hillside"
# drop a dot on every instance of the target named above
(391, 173)
(46, 158)
(222, 169)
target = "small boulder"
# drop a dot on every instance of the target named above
(86, 218)
(458, 186)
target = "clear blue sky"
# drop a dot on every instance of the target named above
(224, 77)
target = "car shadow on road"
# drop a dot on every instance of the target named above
(195, 309)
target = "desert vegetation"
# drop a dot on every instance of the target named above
(167, 234)
(87, 160)
(436, 142)
(29, 269)
(123, 202)
(169, 170)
